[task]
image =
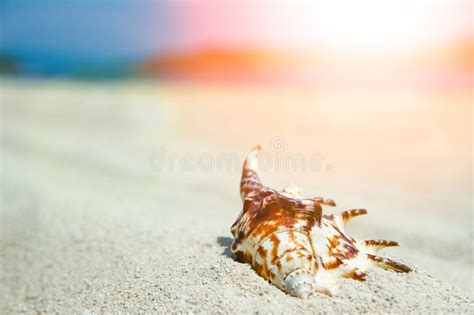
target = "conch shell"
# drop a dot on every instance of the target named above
(288, 241)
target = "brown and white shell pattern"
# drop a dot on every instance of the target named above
(288, 241)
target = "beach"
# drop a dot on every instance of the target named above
(119, 196)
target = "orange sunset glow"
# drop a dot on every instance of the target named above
(399, 44)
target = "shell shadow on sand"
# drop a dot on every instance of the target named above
(225, 242)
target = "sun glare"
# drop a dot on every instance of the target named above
(379, 26)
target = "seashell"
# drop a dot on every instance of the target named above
(288, 241)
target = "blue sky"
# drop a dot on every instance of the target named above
(61, 33)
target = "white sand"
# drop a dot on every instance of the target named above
(87, 226)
